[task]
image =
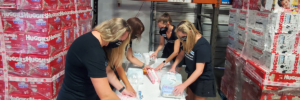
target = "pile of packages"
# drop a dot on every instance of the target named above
(35, 37)
(262, 60)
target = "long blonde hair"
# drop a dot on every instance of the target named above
(111, 30)
(186, 27)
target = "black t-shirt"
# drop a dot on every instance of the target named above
(201, 53)
(85, 59)
(173, 36)
(169, 47)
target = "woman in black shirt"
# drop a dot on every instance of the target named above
(167, 32)
(86, 61)
(197, 54)
(137, 28)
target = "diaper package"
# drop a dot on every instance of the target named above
(135, 74)
(168, 82)
(153, 76)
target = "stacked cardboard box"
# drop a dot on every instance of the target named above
(264, 40)
(35, 37)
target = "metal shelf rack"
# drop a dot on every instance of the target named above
(213, 16)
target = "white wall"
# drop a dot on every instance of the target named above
(108, 9)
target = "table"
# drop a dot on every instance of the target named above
(152, 91)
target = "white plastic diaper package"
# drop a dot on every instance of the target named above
(135, 74)
(140, 57)
(168, 82)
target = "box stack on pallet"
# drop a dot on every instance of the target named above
(35, 37)
(262, 60)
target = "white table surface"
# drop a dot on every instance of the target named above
(152, 91)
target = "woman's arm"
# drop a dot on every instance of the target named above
(114, 81)
(175, 52)
(160, 46)
(177, 61)
(112, 78)
(132, 59)
(180, 88)
(124, 78)
(103, 89)
(195, 74)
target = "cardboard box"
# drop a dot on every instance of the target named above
(279, 5)
(34, 43)
(38, 4)
(34, 90)
(34, 65)
(31, 21)
(269, 80)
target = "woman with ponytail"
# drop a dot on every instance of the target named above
(197, 54)
(86, 76)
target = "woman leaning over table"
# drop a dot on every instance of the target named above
(86, 61)
(137, 28)
(197, 54)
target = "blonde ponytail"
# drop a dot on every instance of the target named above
(188, 28)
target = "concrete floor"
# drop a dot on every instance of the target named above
(184, 77)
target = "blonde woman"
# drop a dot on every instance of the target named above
(85, 71)
(137, 29)
(197, 54)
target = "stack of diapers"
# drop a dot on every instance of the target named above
(168, 82)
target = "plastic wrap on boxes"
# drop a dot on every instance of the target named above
(281, 43)
(77, 31)
(65, 55)
(251, 18)
(168, 82)
(261, 20)
(34, 43)
(68, 36)
(34, 65)
(271, 95)
(34, 90)
(290, 93)
(237, 4)
(270, 80)
(241, 37)
(2, 88)
(284, 22)
(243, 17)
(37, 4)
(279, 5)
(250, 90)
(242, 32)
(68, 18)
(65, 4)
(232, 27)
(246, 4)
(31, 21)
(274, 62)
(255, 5)
(256, 38)
(8, 4)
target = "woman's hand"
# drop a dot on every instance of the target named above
(173, 70)
(159, 67)
(154, 55)
(130, 88)
(147, 67)
(128, 93)
(178, 90)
